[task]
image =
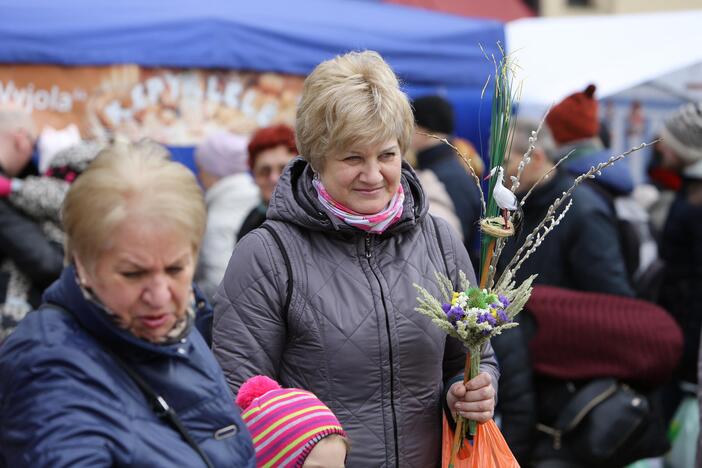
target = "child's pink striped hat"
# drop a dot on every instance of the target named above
(285, 423)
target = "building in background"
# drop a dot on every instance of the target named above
(602, 7)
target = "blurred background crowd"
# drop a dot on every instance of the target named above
(215, 87)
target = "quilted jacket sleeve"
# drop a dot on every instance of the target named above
(454, 354)
(249, 329)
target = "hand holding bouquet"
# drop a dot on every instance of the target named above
(474, 313)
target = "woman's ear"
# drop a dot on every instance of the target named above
(83, 277)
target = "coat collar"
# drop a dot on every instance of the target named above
(547, 192)
(67, 294)
(295, 201)
(434, 154)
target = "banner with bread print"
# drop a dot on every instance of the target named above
(176, 107)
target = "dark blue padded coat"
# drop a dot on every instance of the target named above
(64, 401)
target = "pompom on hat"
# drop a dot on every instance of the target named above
(285, 423)
(682, 132)
(575, 117)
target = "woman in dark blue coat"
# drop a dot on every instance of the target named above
(123, 311)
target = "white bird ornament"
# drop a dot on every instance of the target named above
(503, 196)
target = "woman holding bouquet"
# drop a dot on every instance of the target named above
(321, 296)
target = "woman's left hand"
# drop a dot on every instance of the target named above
(474, 400)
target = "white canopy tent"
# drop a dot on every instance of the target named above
(558, 56)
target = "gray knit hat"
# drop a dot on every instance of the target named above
(682, 132)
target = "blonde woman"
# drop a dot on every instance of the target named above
(321, 297)
(110, 371)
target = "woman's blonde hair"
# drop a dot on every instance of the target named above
(124, 180)
(353, 99)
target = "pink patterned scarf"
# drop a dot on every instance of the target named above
(375, 223)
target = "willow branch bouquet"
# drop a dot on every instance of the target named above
(477, 312)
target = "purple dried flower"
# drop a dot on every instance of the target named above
(446, 308)
(505, 302)
(486, 317)
(502, 316)
(455, 314)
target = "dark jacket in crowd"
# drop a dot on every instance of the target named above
(26, 253)
(681, 248)
(461, 187)
(254, 219)
(350, 333)
(638, 243)
(582, 252)
(516, 396)
(66, 402)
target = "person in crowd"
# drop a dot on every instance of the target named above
(310, 435)
(667, 181)
(270, 150)
(321, 297)
(681, 240)
(40, 199)
(29, 260)
(100, 374)
(574, 124)
(230, 193)
(575, 127)
(582, 253)
(467, 149)
(434, 115)
(438, 199)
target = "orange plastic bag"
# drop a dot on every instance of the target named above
(489, 449)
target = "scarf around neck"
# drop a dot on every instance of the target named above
(180, 329)
(374, 223)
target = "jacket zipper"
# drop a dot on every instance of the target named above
(392, 372)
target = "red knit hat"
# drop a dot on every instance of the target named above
(575, 118)
(285, 423)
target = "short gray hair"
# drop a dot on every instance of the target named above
(125, 179)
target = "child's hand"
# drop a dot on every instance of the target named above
(5, 186)
(474, 400)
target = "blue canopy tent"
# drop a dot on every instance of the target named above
(430, 52)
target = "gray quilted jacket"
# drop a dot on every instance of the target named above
(349, 333)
